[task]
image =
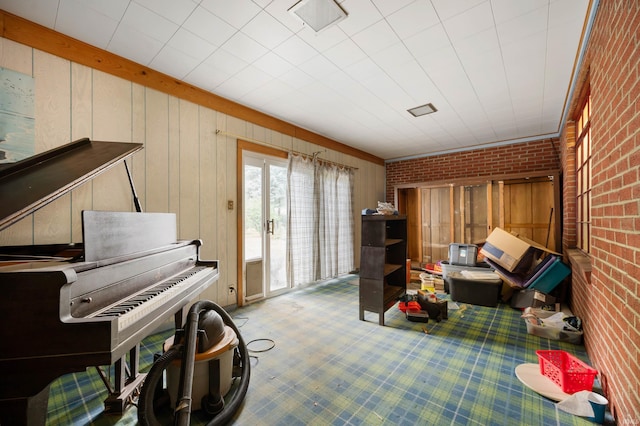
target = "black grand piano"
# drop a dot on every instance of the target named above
(66, 307)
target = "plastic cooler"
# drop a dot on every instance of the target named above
(463, 254)
(567, 371)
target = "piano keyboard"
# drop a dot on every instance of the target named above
(135, 308)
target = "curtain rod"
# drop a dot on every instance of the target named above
(313, 155)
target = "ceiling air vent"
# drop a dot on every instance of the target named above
(422, 110)
(318, 14)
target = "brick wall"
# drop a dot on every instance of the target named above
(609, 302)
(605, 285)
(518, 158)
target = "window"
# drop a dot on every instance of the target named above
(583, 177)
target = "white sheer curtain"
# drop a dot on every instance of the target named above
(321, 230)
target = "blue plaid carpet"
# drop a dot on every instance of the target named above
(329, 368)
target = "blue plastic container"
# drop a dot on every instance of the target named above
(551, 277)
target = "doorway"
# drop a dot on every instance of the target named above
(264, 219)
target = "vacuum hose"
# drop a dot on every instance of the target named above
(187, 351)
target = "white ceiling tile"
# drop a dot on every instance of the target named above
(505, 10)
(209, 27)
(392, 56)
(262, 3)
(114, 9)
(243, 82)
(469, 22)
(414, 18)
(447, 9)
(38, 11)
(412, 78)
(423, 43)
(268, 92)
(345, 53)
(323, 40)
(295, 50)
(361, 14)
(375, 38)
(318, 67)
(279, 10)
(176, 11)
(523, 26)
(206, 77)
(173, 62)
(78, 20)
(296, 78)
(387, 7)
(363, 70)
(131, 44)
(272, 64)
(266, 30)
(191, 44)
(244, 47)
(226, 62)
(149, 23)
(236, 12)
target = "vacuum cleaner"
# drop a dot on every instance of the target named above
(205, 357)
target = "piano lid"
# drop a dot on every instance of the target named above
(34, 182)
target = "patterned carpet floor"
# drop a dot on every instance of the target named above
(327, 367)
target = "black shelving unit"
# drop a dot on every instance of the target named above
(383, 268)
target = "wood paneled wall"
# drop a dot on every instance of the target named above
(186, 166)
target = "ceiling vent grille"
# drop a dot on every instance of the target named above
(318, 14)
(422, 110)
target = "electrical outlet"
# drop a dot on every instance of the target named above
(230, 205)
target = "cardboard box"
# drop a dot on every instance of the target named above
(512, 252)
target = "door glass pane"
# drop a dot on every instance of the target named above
(253, 212)
(278, 226)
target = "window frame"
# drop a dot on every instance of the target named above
(583, 175)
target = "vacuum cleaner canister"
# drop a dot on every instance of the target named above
(218, 356)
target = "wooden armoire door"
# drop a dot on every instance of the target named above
(409, 202)
(529, 210)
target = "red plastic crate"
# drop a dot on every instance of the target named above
(567, 371)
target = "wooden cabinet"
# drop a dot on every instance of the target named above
(383, 269)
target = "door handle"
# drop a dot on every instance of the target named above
(270, 229)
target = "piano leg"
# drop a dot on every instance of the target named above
(126, 385)
(31, 411)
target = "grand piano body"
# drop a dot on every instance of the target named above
(67, 307)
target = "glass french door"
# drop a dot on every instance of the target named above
(265, 225)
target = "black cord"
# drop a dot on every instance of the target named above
(273, 345)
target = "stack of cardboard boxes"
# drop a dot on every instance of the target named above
(529, 270)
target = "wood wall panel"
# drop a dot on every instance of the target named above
(185, 168)
(81, 127)
(16, 56)
(210, 193)
(229, 218)
(53, 128)
(189, 173)
(173, 173)
(137, 163)
(112, 112)
(156, 147)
